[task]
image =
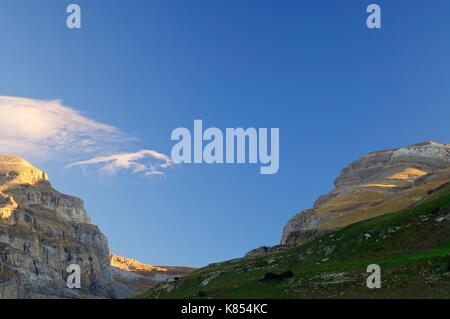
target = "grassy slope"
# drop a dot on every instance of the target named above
(411, 246)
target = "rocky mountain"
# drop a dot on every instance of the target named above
(132, 277)
(42, 232)
(378, 183)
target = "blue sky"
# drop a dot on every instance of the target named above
(334, 88)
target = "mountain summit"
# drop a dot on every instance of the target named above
(377, 183)
(43, 231)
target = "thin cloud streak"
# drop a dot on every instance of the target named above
(147, 162)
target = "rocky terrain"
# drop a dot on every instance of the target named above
(132, 277)
(43, 231)
(389, 207)
(378, 183)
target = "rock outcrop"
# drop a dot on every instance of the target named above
(42, 232)
(378, 183)
(132, 277)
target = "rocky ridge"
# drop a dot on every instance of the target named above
(377, 183)
(42, 232)
(132, 277)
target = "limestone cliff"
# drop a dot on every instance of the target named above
(42, 232)
(378, 183)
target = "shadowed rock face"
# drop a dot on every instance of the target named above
(377, 183)
(42, 232)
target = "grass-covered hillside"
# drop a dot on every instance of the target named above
(411, 246)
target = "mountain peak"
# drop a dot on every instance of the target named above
(133, 265)
(16, 170)
(375, 184)
(26, 187)
(42, 232)
(432, 143)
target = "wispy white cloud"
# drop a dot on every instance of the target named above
(147, 162)
(47, 130)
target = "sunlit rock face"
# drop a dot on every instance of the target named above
(132, 277)
(378, 183)
(42, 232)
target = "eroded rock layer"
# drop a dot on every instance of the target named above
(42, 232)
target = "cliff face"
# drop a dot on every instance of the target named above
(378, 183)
(42, 232)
